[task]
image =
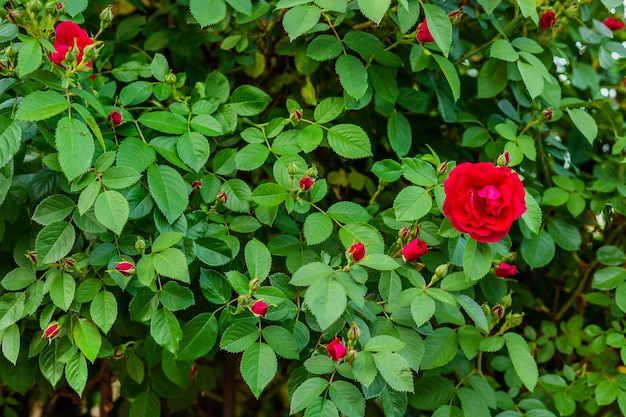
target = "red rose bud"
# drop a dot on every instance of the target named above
(497, 311)
(614, 24)
(547, 114)
(306, 183)
(504, 270)
(52, 331)
(259, 308)
(336, 350)
(414, 250)
(222, 197)
(404, 233)
(115, 117)
(354, 333)
(295, 116)
(118, 352)
(125, 268)
(357, 252)
(69, 36)
(196, 185)
(483, 200)
(504, 159)
(423, 33)
(455, 16)
(193, 371)
(32, 255)
(547, 20)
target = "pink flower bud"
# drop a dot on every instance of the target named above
(115, 117)
(504, 270)
(193, 371)
(196, 185)
(504, 159)
(32, 255)
(547, 20)
(306, 183)
(125, 268)
(497, 311)
(222, 197)
(357, 252)
(295, 116)
(547, 114)
(118, 352)
(259, 308)
(414, 250)
(52, 331)
(423, 33)
(336, 350)
(614, 24)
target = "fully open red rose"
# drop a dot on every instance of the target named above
(483, 200)
(69, 35)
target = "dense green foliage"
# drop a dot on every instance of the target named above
(214, 199)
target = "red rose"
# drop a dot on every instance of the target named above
(306, 183)
(357, 251)
(125, 268)
(259, 308)
(68, 35)
(336, 350)
(483, 200)
(222, 197)
(423, 33)
(547, 20)
(52, 331)
(115, 117)
(414, 250)
(614, 24)
(504, 270)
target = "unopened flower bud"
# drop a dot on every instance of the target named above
(196, 185)
(60, 8)
(505, 270)
(10, 51)
(32, 255)
(354, 333)
(125, 268)
(118, 352)
(404, 233)
(547, 114)
(292, 169)
(414, 250)
(106, 15)
(35, 6)
(254, 285)
(514, 319)
(115, 118)
(350, 355)
(90, 53)
(193, 371)
(497, 311)
(485, 308)
(259, 308)
(222, 197)
(295, 116)
(441, 169)
(140, 244)
(312, 172)
(547, 20)
(442, 270)
(52, 331)
(171, 79)
(243, 300)
(306, 183)
(357, 252)
(15, 16)
(69, 263)
(455, 16)
(572, 10)
(506, 300)
(336, 350)
(504, 159)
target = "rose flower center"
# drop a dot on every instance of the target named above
(487, 199)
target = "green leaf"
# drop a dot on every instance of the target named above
(364, 368)
(327, 301)
(323, 48)
(473, 309)
(395, 371)
(215, 286)
(349, 141)
(171, 263)
(306, 392)
(165, 329)
(489, 5)
(565, 234)
(399, 132)
(193, 149)
(412, 203)
(75, 145)
(135, 369)
(441, 347)
(239, 337)
(348, 211)
(54, 242)
(169, 191)
(328, 109)
(87, 338)
(321, 407)
(348, 398)
(440, 27)
(112, 210)
(608, 278)
(103, 310)
(539, 250)
(564, 404)
(452, 76)
(317, 228)
(135, 93)
(374, 10)
(18, 279)
(135, 154)
(258, 259)
(207, 125)
(528, 9)
(29, 59)
(585, 123)
(258, 367)
(477, 259)
(300, 19)
(503, 50)
(199, 336)
(159, 67)
(53, 209)
(88, 197)
(239, 195)
(74, 7)
(493, 78)
(251, 156)
(51, 368)
(269, 194)
(422, 308)
(472, 403)
(532, 78)
(310, 137)
(320, 365)
(11, 343)
(419, 172)
(166, 240)
(362, 232)
(379, 262)
(281, 341)
(383, 82)
(76, 373)
(207, 12)
(310, 273)
(523, 362)
(248, 100)
(352, 75)
(175, 297)
(532, 217)
(146, 404)
(10, 142)
(384, 343)
(164, 121)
